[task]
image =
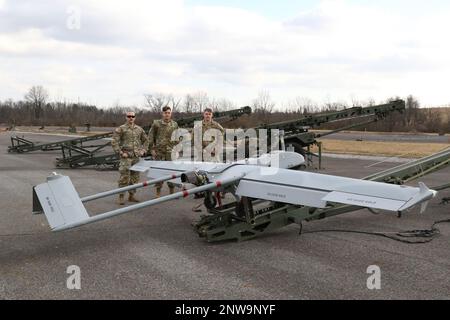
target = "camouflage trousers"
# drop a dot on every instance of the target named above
(128, 177)
(163, 156)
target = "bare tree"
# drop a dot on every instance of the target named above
(411, 112)
(263, 103)
(189, 104)
(223, 104)
(432, 121)
(37, 97)
(303, 105)
(195, 102)
(370, 102)
(155, 101)
(174, 102)
(201, 101)
(331, 106)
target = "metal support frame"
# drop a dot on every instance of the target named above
(225, 224)
(19, 142)
(300, 135)
(443, 187)
(74, 156)
(22, 145)
(315, 120)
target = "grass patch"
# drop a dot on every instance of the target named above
(383, 148)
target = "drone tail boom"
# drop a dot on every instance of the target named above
(63, 208)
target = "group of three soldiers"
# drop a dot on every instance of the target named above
(131, 142)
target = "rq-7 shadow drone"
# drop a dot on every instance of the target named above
(268, 178)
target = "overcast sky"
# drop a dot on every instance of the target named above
(107, 51)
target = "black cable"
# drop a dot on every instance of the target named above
(421, 235)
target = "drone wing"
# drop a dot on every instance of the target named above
(316, 190)
(158, 169)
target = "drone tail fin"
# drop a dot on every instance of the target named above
(59, 201)
(422, 198)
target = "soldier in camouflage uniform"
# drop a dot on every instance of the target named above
(209, 123)
(160, 144)
(130, 142)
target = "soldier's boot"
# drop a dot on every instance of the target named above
(171, 189)
(132, 198)
(158, 192)
(121, 199)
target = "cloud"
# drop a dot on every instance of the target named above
(122, 49)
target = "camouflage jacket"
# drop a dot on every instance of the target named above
(160, 135)
(130, 139)
(210, 125)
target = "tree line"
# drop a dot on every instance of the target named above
(37, 110)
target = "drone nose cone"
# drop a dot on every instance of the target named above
(292, 159)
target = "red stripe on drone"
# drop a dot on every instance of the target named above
(218, 183)
(185, 194)
(145, 183)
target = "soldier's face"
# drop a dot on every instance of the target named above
(131, 116)
(167, 115)
(207, 116)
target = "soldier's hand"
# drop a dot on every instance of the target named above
(124, 154)
(153, 154)
(141, 153)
